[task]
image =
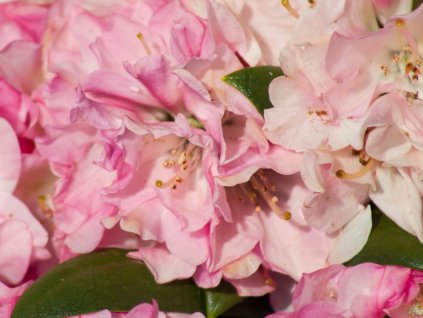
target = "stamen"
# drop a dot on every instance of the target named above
(144, 43)
(342, 174)
(290, 9)
(287, 215)
(312, 3)
(402, 27)
(185, 158)
(270, 199)
(332, 294)
(416, 310)
(396, 58)
(44, 206)
(269, 282)
(385, 70)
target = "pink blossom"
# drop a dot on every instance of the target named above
(365, 290)
(22, 238)
(269, 223)
(144, 310)
(9, 296)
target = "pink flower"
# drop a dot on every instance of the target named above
(365, 290)
(144, 310)
(9, 297)
(268, 222)
(22, 238)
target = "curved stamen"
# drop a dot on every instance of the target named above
(342, 174)
(290, 9)
(402, 27)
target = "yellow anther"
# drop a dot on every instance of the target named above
(399, 23)
(159, 183)
(287, 215)
(269, 281)
(290, 9)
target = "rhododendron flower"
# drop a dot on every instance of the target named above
(22, 238)
(269, 221)
(9, 296)
(144, 310)
(365, 290)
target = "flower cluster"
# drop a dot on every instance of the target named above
(119, 132)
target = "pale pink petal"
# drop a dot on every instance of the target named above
(15, 251)
(21, 55)
(351, 238)
(163, 265)
(254, 285)
(243, 267)
(392, 186)
(10, 158)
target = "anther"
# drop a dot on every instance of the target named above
(416, 310)
(178, 179)
(269, 282)
(287, 215)
(385, 70)
(159, 183)
(173, 186)
(399, 23)
(290, 9)
(396, 58)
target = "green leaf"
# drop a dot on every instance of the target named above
(220, 299)
(254, 83)
(110, 280)
(416, 4)
(388, 244)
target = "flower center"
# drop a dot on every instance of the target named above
(183, 159)
(260, 190)
(321, 115)
(406, 62)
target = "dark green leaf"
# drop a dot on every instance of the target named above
(110, 280)
(254, 83)
(220, 299)
(417, 3)
(388, 244)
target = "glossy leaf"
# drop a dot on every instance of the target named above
(253, 82)
(417, 3)
(388, 244)
(220, 299)
(110, 280)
